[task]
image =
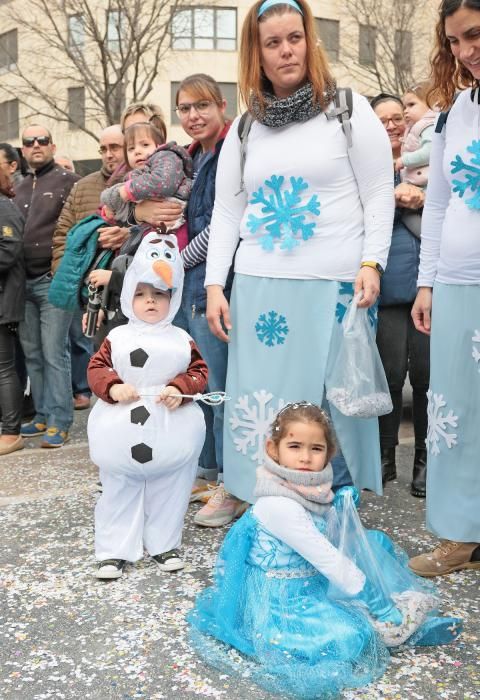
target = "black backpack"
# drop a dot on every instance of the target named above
(342, 111)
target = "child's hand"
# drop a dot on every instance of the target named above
(123, 393)
(100, 278)
(108, 214)
(170, 397)
(122, 191)
(398, 164)
(100, 317)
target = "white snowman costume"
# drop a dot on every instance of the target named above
(147, 454)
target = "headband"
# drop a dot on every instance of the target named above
(270, 3)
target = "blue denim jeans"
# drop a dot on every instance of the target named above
(81, 350)
(215, 353)
(44, 338)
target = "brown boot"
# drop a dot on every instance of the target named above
(448, 556)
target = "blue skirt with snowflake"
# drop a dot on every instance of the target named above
(283, 332)
(453, 438)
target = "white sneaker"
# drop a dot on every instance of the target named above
(169, 561)
(110, 569)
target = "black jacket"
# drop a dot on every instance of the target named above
(12, 272)
(40, 198)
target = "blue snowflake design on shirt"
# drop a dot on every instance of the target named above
(271, 328)
(284, 212)
(346, 291)
(471, 173)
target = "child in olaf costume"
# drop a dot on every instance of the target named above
(144, 436)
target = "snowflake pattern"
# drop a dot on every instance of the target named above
(471, 172)
(284, 213)
(271, 328)
(439, 424)
(253, 423)
(475, 350)
(346, 291)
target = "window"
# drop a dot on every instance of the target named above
(76, 32)
(8, 50)
(76, 108)
(9, 125)
(403, 49)
(367, 45)
(208, 28)
(228, 90)
(115, 29)
(329, 32)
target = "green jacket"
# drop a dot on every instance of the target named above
(80, 251)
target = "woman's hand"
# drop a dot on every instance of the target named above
(156, 213)
(100, 317)
(170, 397)
(422, 310)
(112, 237)
(100, 278)
(409, 196)
(218, 310)
(123, 393)
(368, 282)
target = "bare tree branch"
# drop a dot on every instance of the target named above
(113, 50)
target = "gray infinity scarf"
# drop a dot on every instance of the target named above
(298, 107)
(273, 480)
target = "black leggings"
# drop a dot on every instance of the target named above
(403, 348)
(11, 394)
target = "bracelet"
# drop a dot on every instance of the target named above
(374, 265)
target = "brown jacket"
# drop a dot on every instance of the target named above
(101, 374)
(83, 200)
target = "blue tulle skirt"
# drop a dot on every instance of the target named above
(273, 619)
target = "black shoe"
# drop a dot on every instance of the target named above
(418, 487)
(389, 468)
(110, 569)
(169, 561)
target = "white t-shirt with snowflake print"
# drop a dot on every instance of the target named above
(450, 250)
(312, 208)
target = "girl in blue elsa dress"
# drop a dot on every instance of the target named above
(305, 601)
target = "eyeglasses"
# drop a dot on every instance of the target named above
(29, 141)
(113, 147)
(396, 120)
(201, 108)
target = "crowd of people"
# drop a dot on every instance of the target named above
(232, 264)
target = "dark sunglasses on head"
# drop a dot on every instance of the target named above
(29, 141)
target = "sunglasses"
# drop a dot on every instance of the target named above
(29, 141)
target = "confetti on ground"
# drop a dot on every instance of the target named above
(65, 635)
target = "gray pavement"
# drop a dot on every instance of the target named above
(63, 634)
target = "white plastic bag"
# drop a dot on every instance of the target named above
(357, 385)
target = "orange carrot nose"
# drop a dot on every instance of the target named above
(163, 270)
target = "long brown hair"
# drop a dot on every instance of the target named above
(202, 85)
(251, 79)
(448, 74)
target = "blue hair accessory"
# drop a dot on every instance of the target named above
(270, 3)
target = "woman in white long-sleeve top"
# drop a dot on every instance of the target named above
(448, 301)
(312, 222)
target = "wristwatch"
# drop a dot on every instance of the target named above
(374, 265)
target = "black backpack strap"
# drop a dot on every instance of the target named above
(441, 121)
(343, 111)
(244, 126)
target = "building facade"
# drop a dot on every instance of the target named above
(38, 77)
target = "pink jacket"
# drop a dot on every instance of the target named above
(417, 175)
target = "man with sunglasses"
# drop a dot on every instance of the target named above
(83, 200)
(44, 332)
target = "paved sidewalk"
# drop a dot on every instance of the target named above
(63, 634)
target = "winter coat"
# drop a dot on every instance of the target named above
(12, 270)
(79, 253)
(40, 198)
(82, 201)
(417, 175)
